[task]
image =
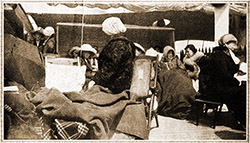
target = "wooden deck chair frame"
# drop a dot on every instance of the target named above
(144, 79)
(51, 59)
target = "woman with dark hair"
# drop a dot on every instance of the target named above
(191, 59)
(107, 110)
(115, 65)
(192, 48)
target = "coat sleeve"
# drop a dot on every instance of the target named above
(220, 65)
(180, 64)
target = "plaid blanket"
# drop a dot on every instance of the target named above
(70, 130)
(105, 113)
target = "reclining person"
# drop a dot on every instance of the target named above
(170, 60)
(106, 109)
(177, 93)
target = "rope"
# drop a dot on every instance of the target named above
(82, 23)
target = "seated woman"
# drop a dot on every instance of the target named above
(223, 86)
(104, 109)
(88, 58)
(191, 58)
(49, 44)
(177, 93)
(170, 60)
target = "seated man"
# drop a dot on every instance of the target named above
(104, 109)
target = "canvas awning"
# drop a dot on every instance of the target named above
(157, 6)
(127, 7)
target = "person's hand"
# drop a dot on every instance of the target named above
(243, 67)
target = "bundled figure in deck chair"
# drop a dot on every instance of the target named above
(177, 94)
(170, 60)
(105, 111)
(222, 85)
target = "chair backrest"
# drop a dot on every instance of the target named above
(54, 59)
(144, 75)
(201, 45)
(65, 74)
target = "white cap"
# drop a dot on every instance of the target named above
(113, 25)
(89, 48)
(166, 21)
(48, 31)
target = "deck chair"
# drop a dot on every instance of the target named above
(216, 106)
(203, 100)
(143, 80)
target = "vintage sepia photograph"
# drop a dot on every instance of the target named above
(124, 70)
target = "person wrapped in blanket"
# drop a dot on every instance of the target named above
(105, 111)
(177, 93)
(170, 60)
(222, 85)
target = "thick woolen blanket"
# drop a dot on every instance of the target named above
(103, 111)
(177, 94)
(20, 119)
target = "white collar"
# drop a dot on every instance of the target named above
(235, 59)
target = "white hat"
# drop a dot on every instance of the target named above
(48, 31)
(227, 38)
(139, 47)
(113, 25)
(89, 48)
(166, 21)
